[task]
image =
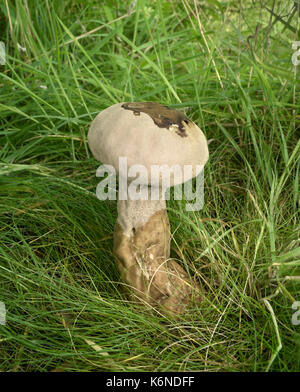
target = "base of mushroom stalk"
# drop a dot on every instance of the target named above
(142, 251)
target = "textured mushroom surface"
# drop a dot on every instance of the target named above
(119, 132)
(143, 259)
(163, 116)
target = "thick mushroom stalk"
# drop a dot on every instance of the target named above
(142, 250)
(154, 137)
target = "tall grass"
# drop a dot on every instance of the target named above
(234, 77)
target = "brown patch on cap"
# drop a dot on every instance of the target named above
(163, 116)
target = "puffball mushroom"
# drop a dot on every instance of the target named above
(149, 134)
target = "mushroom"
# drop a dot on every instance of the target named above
(151, 136)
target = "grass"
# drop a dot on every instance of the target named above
(66, 61)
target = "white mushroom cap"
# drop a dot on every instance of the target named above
(147, 133)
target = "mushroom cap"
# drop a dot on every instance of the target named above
(148, 133)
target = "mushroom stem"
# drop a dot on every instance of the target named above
(142, 250)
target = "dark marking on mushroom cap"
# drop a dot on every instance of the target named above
(163, 116)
